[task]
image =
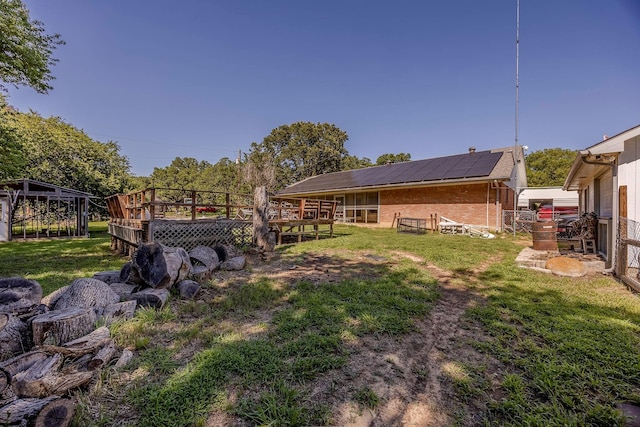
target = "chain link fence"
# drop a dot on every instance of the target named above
(628, 252)
(522, 221)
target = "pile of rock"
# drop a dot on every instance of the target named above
(50, 345)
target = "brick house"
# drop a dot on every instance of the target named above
(473, 188)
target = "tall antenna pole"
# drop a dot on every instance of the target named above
(515, 147)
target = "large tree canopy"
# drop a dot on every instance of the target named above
(549, 167)
(12, 160)
(300, 150)
(25, 49)
(58, 153)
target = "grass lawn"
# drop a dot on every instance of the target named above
(399, 328)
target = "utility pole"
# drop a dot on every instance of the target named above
(515, 147)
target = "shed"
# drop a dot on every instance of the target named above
(30, 208)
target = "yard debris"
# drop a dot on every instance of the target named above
(50, 345)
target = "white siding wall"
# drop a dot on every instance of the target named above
(629, 175)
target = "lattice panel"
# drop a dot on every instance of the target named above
(190, 235)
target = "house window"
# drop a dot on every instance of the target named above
(604, 195)
(362, 207)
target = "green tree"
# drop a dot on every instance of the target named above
(25, 49)
(12, 161)
(354, 162)
(300, 150)
(393, 158)
(183, 174)
(549, 167)
(58, 153)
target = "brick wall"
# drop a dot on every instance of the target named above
(461, 203)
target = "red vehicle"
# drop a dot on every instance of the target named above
(206, 209)
(549, 212)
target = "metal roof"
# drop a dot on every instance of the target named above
(490, 164)
(30, 187)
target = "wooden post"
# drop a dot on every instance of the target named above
(228, 202)
(623, 226)
(193, 206)
(152, 205)
(261, 220)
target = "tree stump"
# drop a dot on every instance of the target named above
(13, 336)
(161, 266)
(60, 326)
(261, 220)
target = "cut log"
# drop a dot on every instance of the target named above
(7, 396)
(13, 336)
(87, 293)
(204, 255)
(234, 264)
(108, 277)
(128, 274)
(20, 410)
(22, 362)
(119, 311)
(154, 298)
(102, 357)
(161, 266)
(188, 289)
(18, 295)
(124, 359)
(122, 289)
(51, 299)
(5, 380)
(57, 413)
(83, 345)
(43, 379)
(60, 326)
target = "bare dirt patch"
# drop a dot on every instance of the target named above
(413, 375)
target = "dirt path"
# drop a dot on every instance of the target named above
(414, 376)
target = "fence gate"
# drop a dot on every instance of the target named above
(628, 252)
(521, 220)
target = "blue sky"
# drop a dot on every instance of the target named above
(204, 79)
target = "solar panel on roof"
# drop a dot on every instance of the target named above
(451, 167)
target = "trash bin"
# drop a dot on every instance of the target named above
(544, 236)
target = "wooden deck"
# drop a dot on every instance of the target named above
(142, 217)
